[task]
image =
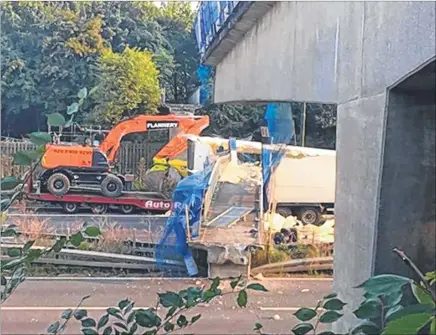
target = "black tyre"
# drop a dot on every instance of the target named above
(99, 208)
(310, 215)
(58, 184)
(283, 211)
(70, 207)
(112, 186)
(127, 209)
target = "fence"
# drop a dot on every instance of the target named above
(129, 155)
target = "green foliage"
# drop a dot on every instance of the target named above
(56, 119)
(305, 314)
(23, 158)
(233, 120)
(167, 316)
(26, 158)
(9, 183)
(178, 76)
(383, 311)
(40, 72)
(302, 328)
(40, 138)
(129, 85)
(242, 298)
(409, 324)
(177, 12)
(51, 50)
(431, 277)
(334, 304)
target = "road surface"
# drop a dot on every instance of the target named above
(38, 303)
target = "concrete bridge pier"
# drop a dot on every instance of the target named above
(376, 61)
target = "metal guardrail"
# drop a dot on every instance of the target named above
(211, 16)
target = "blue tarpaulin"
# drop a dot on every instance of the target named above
(278, 117)
(189, 193)
(204, 73)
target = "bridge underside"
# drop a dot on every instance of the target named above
(376, 61)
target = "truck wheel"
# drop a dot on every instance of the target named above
(58, 184)
(309, 215)
(99, 208)
(283, 211)
(127, 209)
(112, 186)
(70, 207)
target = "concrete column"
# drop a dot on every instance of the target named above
(388, 201)
(359, 149)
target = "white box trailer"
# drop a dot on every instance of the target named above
(303, 184)
(305, 187)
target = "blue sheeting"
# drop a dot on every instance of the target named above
(204, 73)
(278, 117)
(188, 193)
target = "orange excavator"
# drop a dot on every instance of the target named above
(71, 164)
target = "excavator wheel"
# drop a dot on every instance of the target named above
(58, 184)
(112, 186)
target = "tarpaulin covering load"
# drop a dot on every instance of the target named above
(204, 73)
(278, 117)
(189, 194)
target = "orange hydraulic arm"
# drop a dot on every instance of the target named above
(192, 125)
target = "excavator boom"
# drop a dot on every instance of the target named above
(192, 125)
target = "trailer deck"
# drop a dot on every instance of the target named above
(127, 203)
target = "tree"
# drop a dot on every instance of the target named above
(52, 49)
(48, 50)
(176, 19)
(129, 85)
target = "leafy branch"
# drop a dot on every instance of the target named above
(125, 319)
(384, 309)
(424, 281)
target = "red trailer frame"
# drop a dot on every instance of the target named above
(147, 201)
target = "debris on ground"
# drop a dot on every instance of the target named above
(290, 230)
(312, 234)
